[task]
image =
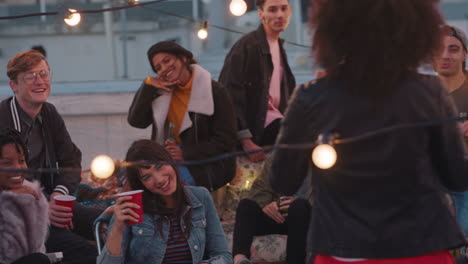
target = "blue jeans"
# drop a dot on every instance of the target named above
(460, 202)
(186, 176)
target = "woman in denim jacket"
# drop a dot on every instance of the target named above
(180, 223)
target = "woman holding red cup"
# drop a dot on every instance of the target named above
(179, 223)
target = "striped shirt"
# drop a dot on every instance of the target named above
(177, 251)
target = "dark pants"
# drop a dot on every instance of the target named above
(252, 221)
(74, 243)
(270, 133)
(36, 258)
(461, 260)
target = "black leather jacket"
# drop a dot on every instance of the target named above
(384, 198)
(208, 137)
(60, 150)
(246, 74)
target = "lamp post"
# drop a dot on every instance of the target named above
(123, 38)
(195, 9)
(42, 8)
(297, 14)
(216, 16)
(110, 39)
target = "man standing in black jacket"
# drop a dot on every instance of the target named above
(50, 146)
(257, 74)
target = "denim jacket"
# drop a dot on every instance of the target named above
(143, 243)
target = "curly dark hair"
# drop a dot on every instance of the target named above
(145, 150)
(11, 136)
(372, 44)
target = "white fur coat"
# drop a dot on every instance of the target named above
(24, 224)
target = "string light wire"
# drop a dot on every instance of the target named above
(215, 26)
(298, 146)
(133, 5)
(462, 117)
(93, 11)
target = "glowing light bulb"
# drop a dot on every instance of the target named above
(102, 166)
(238, 7)
(202, 33)
(324, 156)
(72, 19)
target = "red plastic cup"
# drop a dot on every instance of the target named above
(136, 198)
(65, 200)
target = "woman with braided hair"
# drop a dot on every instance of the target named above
(24, 216)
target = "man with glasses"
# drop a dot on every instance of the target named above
(49, 146)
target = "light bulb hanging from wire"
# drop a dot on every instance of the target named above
(102, 166)
(132, 2)
(203, 32)
(238, 7)
(324, 155)
(73, 18)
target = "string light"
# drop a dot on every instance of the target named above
(238, 7)
(203, 32)
(103, 166)
(107, 165)
(132, 4)
(218, 27)
(324, 155)
(73, 18)
(247, 184)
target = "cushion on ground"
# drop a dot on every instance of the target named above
(269, 249)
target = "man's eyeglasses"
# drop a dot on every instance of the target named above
(31, 77)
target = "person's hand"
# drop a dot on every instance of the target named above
(109, 210)
(60, 216)
(464, 128)
(162, 84)
(26, 190)
(285, 202)
(249, 145)
(175, 152)
(272, 211)
(123, 211)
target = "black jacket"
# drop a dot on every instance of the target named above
(209, 136)
(246, 74)
(60, 150)
(384, 198)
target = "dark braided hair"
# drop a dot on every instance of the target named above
(11, 136)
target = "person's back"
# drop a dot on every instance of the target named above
(383, 199)
(382, 178)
